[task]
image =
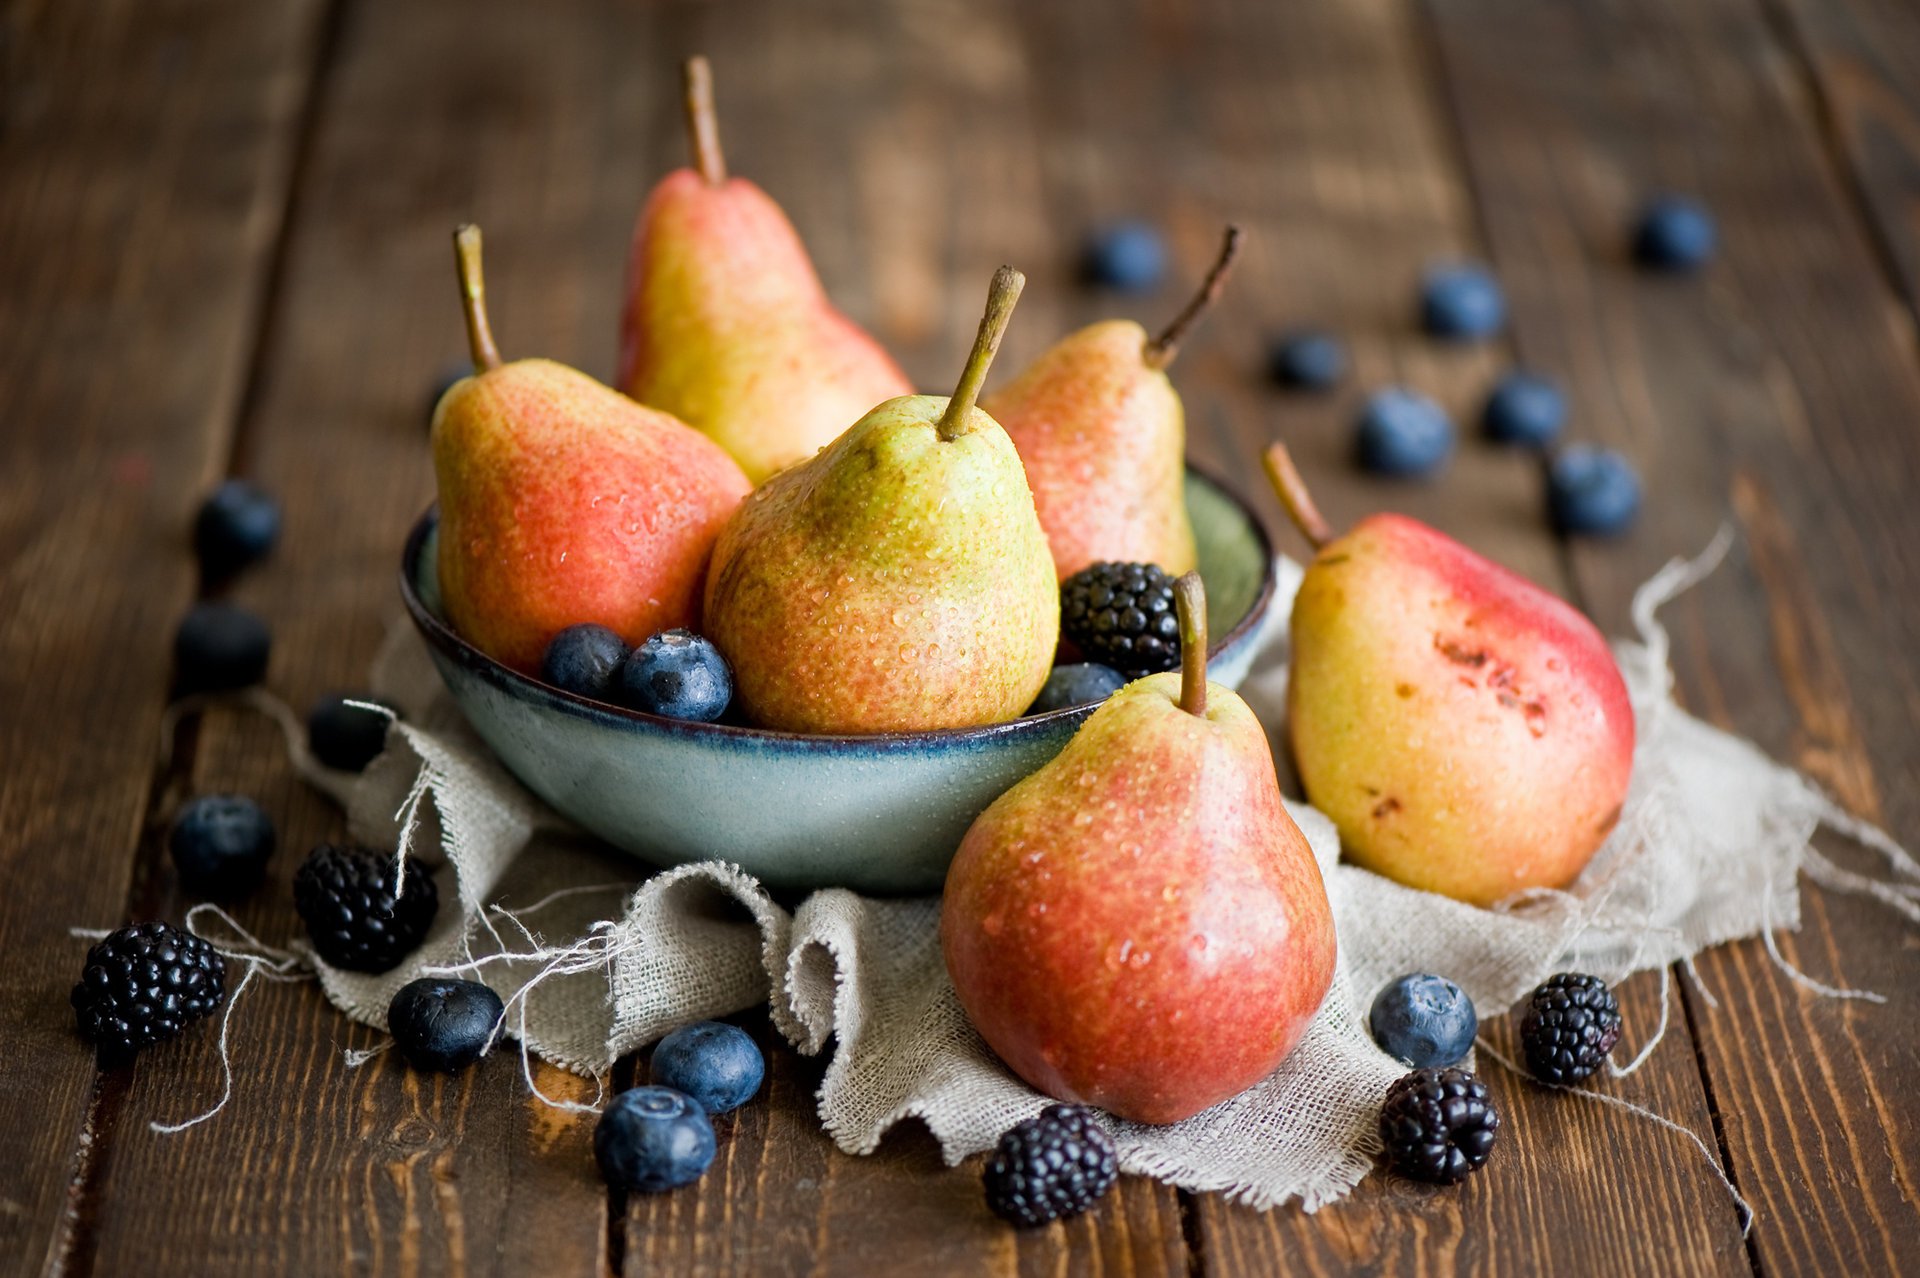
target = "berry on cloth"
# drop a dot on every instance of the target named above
(719, 1065)
(1122, 616)
(653, 1139)
(346, 896)
(221, 844)
(1423, 1021)
(142, 985)
(1572, 1021)
(443, 1024)
(1049, 1167)
(347, 737)
(1438, 1125)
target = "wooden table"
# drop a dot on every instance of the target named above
(223, 251)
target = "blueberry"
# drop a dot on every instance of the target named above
(450, 373)
(718, 1065)
(1462, 302)
(1424, 1021)
(1403, 433)
(1128, 256)
(582, 659)
(1307, 360)
(440, 1024)
(678, 674)
(219, 648)
(221, 844)
(653, 1138)
(1592, 490)
(238, 525)
(1674, 234)
(1077, 685)
(347, 737)
(1524, 409)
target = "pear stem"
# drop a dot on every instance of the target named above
(1001, 295)
(1293, 494)
(1161, 350)
(1190, 603)
(703, 125)
(473, 298)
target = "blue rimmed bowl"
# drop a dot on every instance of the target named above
(879, 814)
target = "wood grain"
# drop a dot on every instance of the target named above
(143, 161)
(1773, 392)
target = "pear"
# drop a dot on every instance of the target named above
(1104, 438)
(726, 325)
(562, 501)
(899, 580)
(1139, 925)
(1468, 732)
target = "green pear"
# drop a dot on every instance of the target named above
(1468, 732)
(1104, 438)
(1140, 925)
(726, 324)
(899, 580)
(562, 501)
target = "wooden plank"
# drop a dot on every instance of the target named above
(1777, 390)
(1316, 129)
(1863, 58)
(143, 160)
(526, 121)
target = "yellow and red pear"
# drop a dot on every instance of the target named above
(1140, 925)
(1468, 732)
(562, 501)
(1104, 438)
(726, 323)
(899, 580)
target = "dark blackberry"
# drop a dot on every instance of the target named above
(1122, 615)
(345, 895)
(1052, 1166)
(1438, 1125)
(142, 985)
(1571, 1023)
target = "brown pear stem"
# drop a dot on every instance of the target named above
(1001, 295)
(1293, 494)
(1190, 603)
(1161, 350)
(703, 126)
(473, 297)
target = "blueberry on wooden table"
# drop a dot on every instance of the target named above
(653, 1139)
(1462, 302)
(1128, 256)
(442, 1024)
(1080, 684)
(237, 525)
(717, 1064)
(345, 736)
(1525, 409)
(221, 844)
(1592, 491)
(582, 660)
(1423, 1020)
(1402, 433)
(220, 648)
(1674, 234)
(678, 674)
(1307, 360)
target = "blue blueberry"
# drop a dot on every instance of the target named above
(1077, 685)
(238, 525)
(1401, 432)
(1525, 409)
(221, 844)
(441, 1024)
(1307, 360)
(449, 374)
(1674, 234)
(1592, 491)
(678, 674)
(719, 1065)
(582, 660)
(1462, 302)
(220, 648)
(1129, 256)
(1425, 1021)
(652, 1139)
(347, 737)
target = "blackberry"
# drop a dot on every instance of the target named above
(1048, 1167)
(1122, 615)
(1571, 1023)
(1438, 1125)
(142, 985)
(346, 897)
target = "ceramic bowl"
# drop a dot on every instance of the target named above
(880, 814)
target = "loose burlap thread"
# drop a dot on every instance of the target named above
(595, 958)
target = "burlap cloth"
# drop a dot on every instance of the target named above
(1710, 847)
